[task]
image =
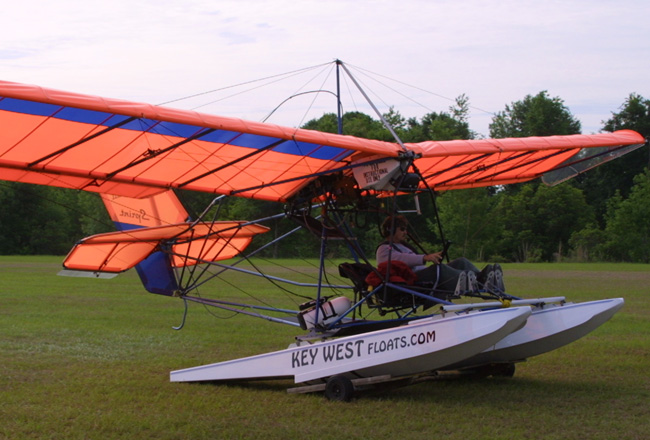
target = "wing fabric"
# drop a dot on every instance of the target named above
(188, 244)
(465, 164)
(137, 150)
(159, 210)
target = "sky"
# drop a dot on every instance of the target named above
(414, 55)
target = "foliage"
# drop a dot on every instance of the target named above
(587, 243)
(470, 222)
(628, 224)
(537, 115)
(432, 126)
(354, 124)
(38, 219)
(538, 222)
(634, 115)
(600, 184)
(441, 126)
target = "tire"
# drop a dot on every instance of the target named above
(339, 388)
(504, 370)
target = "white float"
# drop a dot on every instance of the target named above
(422, 345)
(551, 325)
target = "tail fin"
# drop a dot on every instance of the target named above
(160, 210)
(156, 272)
(145, 226)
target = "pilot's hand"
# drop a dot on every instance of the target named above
(435, 258)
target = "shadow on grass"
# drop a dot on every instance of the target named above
(280, 385)
(512, 393)
(462, 390)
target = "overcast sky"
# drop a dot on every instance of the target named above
(590, 53)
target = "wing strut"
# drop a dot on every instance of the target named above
(381, 117)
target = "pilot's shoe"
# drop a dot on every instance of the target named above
(498, 278)
(490, 283)
(461, 285)
(483, 274)
(472, 282)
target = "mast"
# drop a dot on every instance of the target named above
(339, 117)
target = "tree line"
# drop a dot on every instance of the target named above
(602, 215)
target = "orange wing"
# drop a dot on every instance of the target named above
(118, 147)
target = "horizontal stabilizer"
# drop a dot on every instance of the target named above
(186, 243)
(86, 274)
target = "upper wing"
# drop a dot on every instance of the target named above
(136, 150)
(465, 164)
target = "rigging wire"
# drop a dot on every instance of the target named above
(207, 275)
(381, 117)
(109, 224)
(305, 84)
(367, 72)
(194, 281)
(349, 94)
(369, 75)
(207, 92)
(24, 188)
(211, 310)
(302, 120)
(283, 77)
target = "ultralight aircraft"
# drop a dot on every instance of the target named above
(136, 156)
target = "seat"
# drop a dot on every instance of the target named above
(366, 278)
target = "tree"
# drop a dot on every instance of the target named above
(38, 219)
(634, 115)
(628, 223)
(538, 221)
(7, 194)
(441, 126)
(587, 243)
(432, 126)
(93, 217)
(537, 115)
(517, 241)
(600, 184)
(559, 211)
(354, 124)
(469, 222)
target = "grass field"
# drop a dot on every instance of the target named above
(89, 359)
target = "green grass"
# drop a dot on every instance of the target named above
(90, 359)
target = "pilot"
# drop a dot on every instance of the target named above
(458, 276)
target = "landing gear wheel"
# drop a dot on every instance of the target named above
(504, 370)
(339, 388)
